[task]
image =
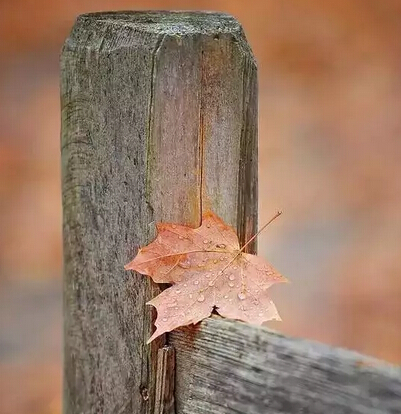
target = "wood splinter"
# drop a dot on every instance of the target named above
(165, 377)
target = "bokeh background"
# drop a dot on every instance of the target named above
(330, 157)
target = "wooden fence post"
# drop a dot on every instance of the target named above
(159, 121)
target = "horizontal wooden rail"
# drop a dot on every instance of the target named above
(229, 367)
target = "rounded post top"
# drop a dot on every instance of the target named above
(167, 22)
(114, 30)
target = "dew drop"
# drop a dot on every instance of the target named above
(176, 308)
(235, 267)
(241, 296)
(231, 284)
(207, 275)
(215, 261)
(165, 319)
(174, 226)
(211, 283)
(208, 225)
(222, 258)
(225, 297)
(196, 282)
(201, 298)
(199, 265)
(260, 313)
(205, 241)
(231, 277)
(178, 291)
(185, 264)
(190, 296)
(181, 238)
(185, 285)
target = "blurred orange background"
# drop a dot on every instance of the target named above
(330, 157)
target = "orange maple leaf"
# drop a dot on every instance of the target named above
(208, 270)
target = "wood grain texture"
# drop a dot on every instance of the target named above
(165, 381)
(229, 367)
(158, 123)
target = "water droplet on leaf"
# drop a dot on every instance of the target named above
(201, 298)
(185, 264)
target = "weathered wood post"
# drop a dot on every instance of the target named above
(159, 121)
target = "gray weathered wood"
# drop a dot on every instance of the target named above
(165, 381)
(158, 123)
(229, 367)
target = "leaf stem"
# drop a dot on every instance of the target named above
(279, 213)
(252, 238)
